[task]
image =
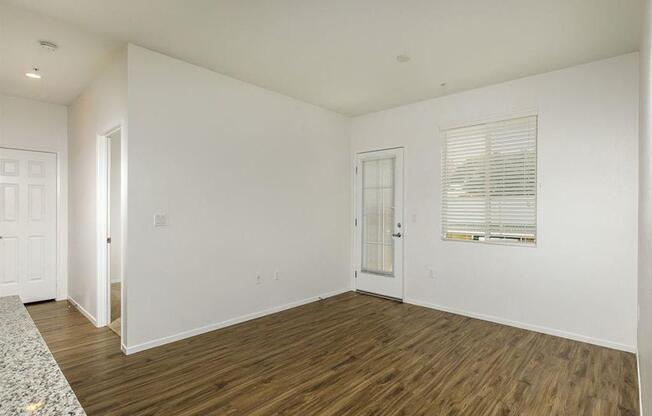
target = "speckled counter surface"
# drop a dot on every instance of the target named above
(31, 382)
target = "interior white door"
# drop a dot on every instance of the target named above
(28, 227)
(379, 222)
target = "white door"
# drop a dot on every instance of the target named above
(379, 222)
(28, 225)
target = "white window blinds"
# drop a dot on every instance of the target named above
(489, 182)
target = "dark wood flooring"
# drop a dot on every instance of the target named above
(347, 355)
(116, 293)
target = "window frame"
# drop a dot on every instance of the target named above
(482, 239)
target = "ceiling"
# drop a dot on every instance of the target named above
(65, 72)
(338, 54)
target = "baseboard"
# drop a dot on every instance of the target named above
(529, 327)
(212, 327)
(83, 311)
(640, 395)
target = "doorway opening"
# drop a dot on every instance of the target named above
(114, 239)
(110, 230)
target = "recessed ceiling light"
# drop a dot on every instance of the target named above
(34, 74)
(403, 58)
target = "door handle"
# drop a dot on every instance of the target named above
(398, 235)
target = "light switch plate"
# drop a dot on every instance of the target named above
(160, 220)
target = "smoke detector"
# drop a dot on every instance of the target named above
(48, 46)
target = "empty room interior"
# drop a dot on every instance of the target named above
(300, 207)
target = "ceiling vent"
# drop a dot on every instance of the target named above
(49, 46)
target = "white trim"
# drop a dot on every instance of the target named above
(352, 226)
(529, 327)
(62, 232)
(490, 118)
(123, 231)
(233, 321)
(84, 312)
(101, 233)
(640, 395)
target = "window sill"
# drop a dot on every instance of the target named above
(493, 243)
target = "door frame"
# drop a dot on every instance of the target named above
(357, 252)
(60, 241)
(103, 223)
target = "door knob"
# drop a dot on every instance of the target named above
(396, 235)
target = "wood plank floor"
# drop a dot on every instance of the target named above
(347, 355)
(116, 293)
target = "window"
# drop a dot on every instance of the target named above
(489, 182)
(378, 216)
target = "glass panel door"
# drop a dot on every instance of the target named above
(379, 228)
(378, 216)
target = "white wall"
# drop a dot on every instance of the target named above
(645, 219)
(580, 280)
(253, 182)
(33, 125)
(116, 207)
(101, 107)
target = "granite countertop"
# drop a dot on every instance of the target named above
(31, 382)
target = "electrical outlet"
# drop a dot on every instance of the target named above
(431, 274)
(259, 279)
(276, 275)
